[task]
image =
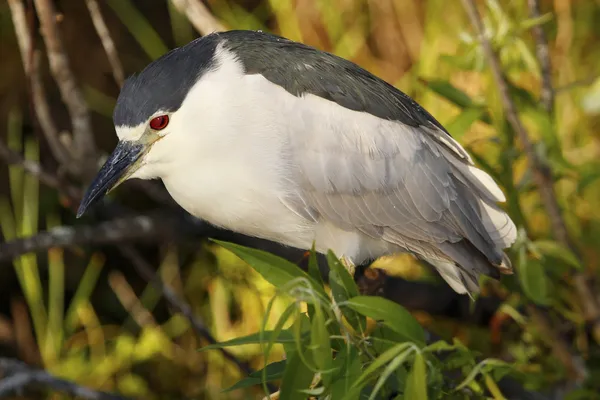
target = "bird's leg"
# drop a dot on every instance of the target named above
(349, 265)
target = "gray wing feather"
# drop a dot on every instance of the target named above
(401, 184)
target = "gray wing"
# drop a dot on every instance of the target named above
(412, 186)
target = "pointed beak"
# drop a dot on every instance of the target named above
(123, 162)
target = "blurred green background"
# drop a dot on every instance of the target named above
(83, 312)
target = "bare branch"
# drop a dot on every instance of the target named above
(19, 376)
(31, 62)
(83, 138)
(17, 11)
(199, 15)
(543, 55)
(107, 42)
(541, 176)
(120, 230)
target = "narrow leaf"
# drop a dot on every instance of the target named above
(389, 370)
(390, 314)
(556, 250)
(533, 279)
(416, 384)
(454, 95)
(320, 343)
(461, 124)
(296, 378)
(285, 336)
(315, 273)
(272, 372)
(370, 371)
(347, 365)
(276, 270)
(344, 288)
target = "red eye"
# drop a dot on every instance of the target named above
(159, 123)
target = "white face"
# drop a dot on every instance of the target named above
(157, 129)
(198, 129)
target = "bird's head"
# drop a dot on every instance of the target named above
(152, 117)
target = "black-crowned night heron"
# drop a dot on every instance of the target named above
(275, 139)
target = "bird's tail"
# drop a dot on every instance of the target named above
(467, 259)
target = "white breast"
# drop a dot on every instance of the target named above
(235, 168)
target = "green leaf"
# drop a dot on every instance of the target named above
(315, 273)
(276, 270)
(320, 343)
(587, 178)
(448, 91)
(139, 27)
(285, 336)
(486, 365)
(440, 345)
(391, 314)
(454, 95)
(389, 370)
(416, 384)
(296, 378)
(344, 288)
(459, 126)
(384, 338)
(313, 266)
(556, 250)
(285, 316)
(347, 366)
(533, 278)
(273, 371)
(378, 363)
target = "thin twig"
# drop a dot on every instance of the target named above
(199, 15)
(18, 376)
(107, 42)
(120, 230)
(31, 62)
(543, 55)
(84, 150)
(17, 10)
(541, 176)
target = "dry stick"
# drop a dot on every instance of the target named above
(542, 178)
(199, 15)
(107, 42)
(543, 55)
(83, 139)
(31, 61)
(18, 376)
(154, 227)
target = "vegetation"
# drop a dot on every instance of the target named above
(80, 298)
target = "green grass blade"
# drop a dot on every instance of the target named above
(56, 293)
(84, 291)
(183, 31)
(15, 173)
(139, 27)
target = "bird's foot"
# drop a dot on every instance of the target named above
(349, 265)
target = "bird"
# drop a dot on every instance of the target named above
(272, 138)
